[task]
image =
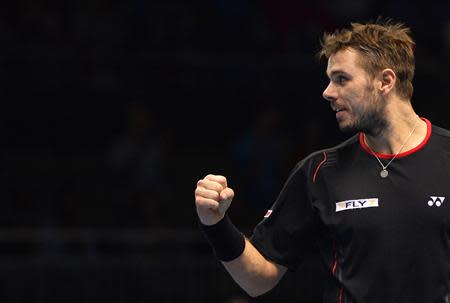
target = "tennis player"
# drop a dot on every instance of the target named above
(377, 206)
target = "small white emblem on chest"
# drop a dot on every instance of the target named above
(356, 204)
(436, 201)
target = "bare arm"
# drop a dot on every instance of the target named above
(251, 270)
(254, 273)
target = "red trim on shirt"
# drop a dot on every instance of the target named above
(333, 270)
(400, 155)
(318, 166)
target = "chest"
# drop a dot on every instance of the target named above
(413, 200)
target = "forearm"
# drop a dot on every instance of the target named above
(247, 266)
(254, 273)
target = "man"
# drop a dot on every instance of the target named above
(375, 205)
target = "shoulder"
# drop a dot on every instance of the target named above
(324, 157)
(441, 132)
(331, 152)
(440, 139)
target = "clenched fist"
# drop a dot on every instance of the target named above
(212, 198)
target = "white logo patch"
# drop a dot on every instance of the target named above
(436, 201)
(356, 204)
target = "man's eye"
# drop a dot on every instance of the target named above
(341, 79)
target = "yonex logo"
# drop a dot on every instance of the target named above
(436, 201)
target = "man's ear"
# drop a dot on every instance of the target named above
(386, 81)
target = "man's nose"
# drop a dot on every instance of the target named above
(330, 93)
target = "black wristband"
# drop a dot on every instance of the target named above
(226, 240)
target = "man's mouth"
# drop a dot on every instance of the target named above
(337, 108)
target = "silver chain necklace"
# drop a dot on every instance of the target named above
(384, 173)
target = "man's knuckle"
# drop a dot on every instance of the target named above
(215, 195)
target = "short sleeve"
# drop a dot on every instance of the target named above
(289, 232)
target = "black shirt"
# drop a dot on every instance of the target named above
(383, 239)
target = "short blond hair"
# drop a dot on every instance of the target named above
(382, 44)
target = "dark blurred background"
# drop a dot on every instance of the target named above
(112, 110)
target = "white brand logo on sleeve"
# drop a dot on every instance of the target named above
(268, 213)
(356, 204)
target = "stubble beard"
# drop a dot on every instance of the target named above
(370, 120)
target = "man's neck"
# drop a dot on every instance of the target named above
(404, 131)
